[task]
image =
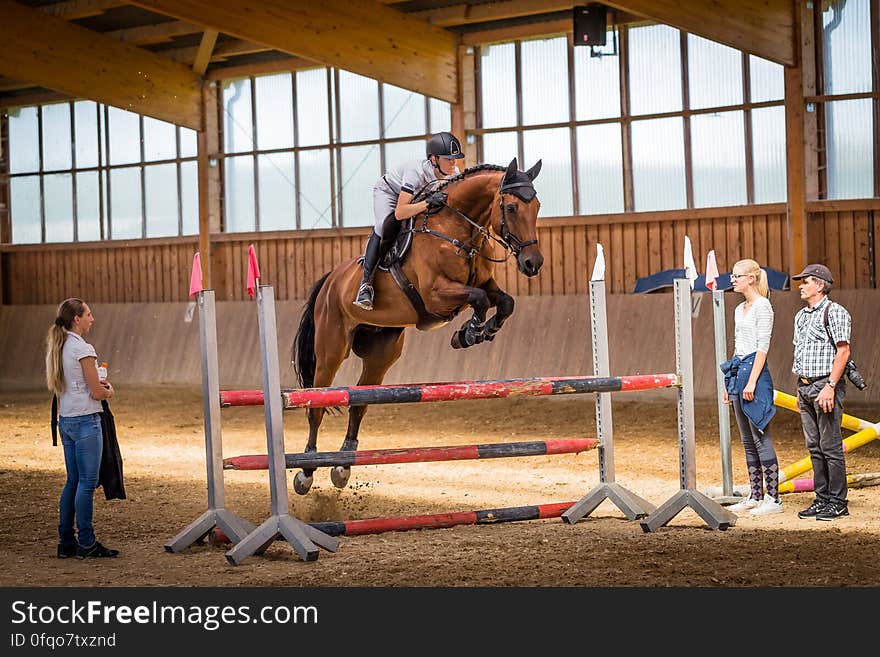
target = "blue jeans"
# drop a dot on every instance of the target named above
(83, 443)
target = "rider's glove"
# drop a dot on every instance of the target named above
(436, 202)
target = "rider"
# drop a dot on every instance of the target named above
(392, 202)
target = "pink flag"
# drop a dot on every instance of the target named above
(253, 271)
(195, 279)
(711, 271)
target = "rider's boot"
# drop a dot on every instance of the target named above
(371, 261)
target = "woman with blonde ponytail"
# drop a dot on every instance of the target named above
(72, 375)
(750, 389)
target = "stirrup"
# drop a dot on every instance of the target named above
(364, 298)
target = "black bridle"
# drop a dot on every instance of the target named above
(525, 191)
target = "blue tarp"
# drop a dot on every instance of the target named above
(777, 280)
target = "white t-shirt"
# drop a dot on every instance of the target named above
(76, 399)
(752, 330)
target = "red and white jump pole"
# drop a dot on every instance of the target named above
(432, 520)
(437, 392)
(415, 454)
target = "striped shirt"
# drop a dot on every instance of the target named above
(813, 351)
(752, 328)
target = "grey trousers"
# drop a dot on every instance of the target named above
(824, 440)
(757, 445)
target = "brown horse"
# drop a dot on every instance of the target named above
(450, 263)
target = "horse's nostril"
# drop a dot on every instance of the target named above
(532, 266)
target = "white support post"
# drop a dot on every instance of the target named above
(305, 540)
(712, 513)
(216, 516)
(631, 504)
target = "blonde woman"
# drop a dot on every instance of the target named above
(72, 375)
(749, 387)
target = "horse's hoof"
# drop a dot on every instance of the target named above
(302, 483)
(340, 476)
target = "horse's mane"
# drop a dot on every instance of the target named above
(443, 184)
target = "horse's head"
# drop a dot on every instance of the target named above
(515, 218)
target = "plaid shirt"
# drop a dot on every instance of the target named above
(813, 352)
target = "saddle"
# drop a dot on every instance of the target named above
(392, 263)
(398, 250)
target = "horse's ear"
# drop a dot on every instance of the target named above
(534, 171)
(512, 168)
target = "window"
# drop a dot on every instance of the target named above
(633, 121)
(654, 69)
(658, 164)
(81, 171)
(718, 159)
(847, 146)
(284, 166)
(849, 134)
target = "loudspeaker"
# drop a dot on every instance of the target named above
(590, 25)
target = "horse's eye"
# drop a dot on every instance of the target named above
(511, 207)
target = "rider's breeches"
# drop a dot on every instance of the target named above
(384, 203)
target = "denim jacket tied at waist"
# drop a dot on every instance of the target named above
(759, 410)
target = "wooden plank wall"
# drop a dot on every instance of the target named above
(638, 244)
(546, 336)
(850, 252)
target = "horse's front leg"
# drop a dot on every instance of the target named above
(503, 303)
(472, 331)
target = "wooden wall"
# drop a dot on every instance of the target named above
(158, 343)
(846, 231)
(638, 244)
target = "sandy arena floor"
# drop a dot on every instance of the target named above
(160, 434)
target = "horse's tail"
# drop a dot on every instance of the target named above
(303, 352)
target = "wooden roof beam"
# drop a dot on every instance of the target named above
(761, 27)
(203, 55)
(512, 33)
(52, 53)
(218, 53)
(74, 9)
(364, 37)
(465, 14)
(9, 84)
(35, 97)
(468, 14)
(140, 36)
(149, 34)
(284, 64)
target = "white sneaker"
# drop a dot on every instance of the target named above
(746, 505)
(768, 506)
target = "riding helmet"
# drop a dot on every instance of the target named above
(444, 144)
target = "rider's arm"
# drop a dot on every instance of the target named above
(405, 209)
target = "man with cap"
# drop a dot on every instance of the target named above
(820, 358)
(392, 202)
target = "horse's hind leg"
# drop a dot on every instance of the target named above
(327, 364)
(379, 350)
(302, 481)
